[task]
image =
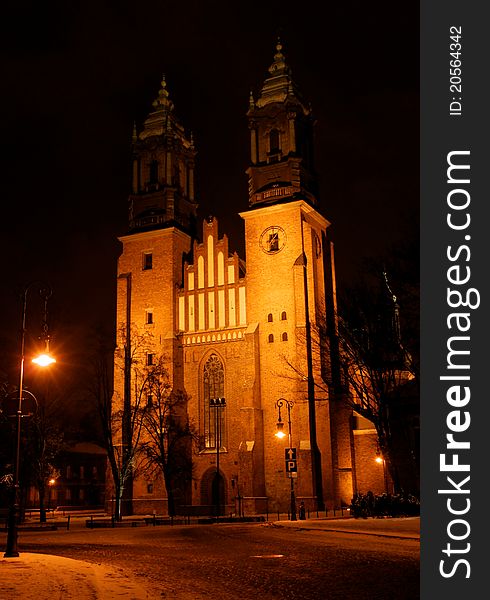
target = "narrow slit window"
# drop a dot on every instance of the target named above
(274, 141)
(153, 171)
(147, 261)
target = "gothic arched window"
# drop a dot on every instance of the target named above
(283, 316)
(284, 337)
(214, 413)
(269, 318)
(271, 338)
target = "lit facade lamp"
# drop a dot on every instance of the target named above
(379, 459)
(280, 433)
(51, 484)
(43, 360)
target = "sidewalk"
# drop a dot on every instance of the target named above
(44, 577)
(403, 527)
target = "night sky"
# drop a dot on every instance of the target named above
(76, 75)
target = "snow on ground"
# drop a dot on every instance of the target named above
(46, 577)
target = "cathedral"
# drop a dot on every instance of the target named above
(250, 343)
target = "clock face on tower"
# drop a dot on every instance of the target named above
(273, 239)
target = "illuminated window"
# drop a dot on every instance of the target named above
(150, 359)
(269, 317)
(149, 317)
(214, 416)
(284, 337)
(271, 338)
(283, 315)
(147, 261)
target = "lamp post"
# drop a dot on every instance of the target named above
(42, 360)
(280, 434)
(218, 404)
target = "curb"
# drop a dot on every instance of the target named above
(350, 531)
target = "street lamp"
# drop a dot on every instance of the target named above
(45, 359)
(290, 451)
(218, 404)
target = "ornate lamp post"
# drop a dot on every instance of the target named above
(218, 404)
(292, 452)
(42, 360)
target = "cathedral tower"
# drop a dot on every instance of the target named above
(286, 273)
(163, 171)
(162, 212)
(281, 140)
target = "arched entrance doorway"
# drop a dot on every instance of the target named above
(211, 485)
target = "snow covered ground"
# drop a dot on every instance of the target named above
(43, 576)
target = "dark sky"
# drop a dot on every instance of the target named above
(75, 75)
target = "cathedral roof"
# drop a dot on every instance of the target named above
(279, 86)
(162, 120)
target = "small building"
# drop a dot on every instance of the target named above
(82, 479)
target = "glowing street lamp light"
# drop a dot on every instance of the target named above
(280, 429)
(45, 359)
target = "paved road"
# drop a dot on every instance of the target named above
(246, 562)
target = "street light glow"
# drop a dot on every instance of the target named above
(44, 360)
(378, 459)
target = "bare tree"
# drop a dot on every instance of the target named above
(364, 363)
(44, 442)
(168, 433)
(375, 368)
(121, 425)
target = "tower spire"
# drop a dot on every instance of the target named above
(279, 85)
(163, 98)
